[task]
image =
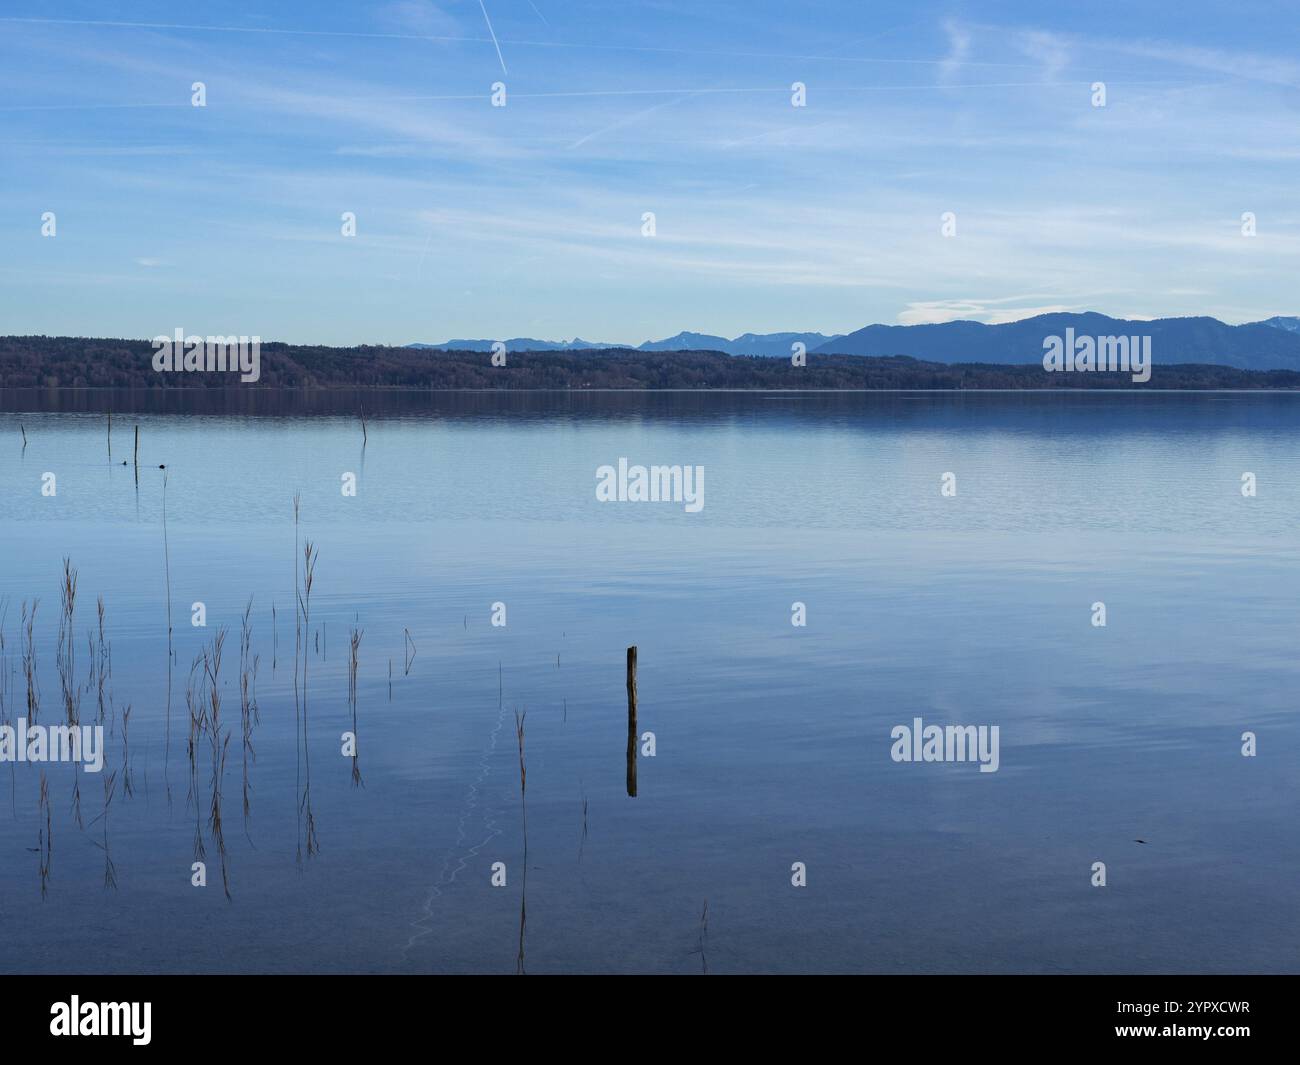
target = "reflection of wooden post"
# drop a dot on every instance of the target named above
(631, 722)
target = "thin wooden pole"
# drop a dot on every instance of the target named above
(631, 722)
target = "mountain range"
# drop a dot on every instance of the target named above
(774, 344)
(1273, 344)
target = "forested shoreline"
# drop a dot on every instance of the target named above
(41, 362)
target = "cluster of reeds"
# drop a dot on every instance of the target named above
(203, 699)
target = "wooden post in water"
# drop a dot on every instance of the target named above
(631, 722)
(137, 445)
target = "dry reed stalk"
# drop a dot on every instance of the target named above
(408, 647)
(702, 938)
(354, 647)
(220, 744)
(103, 659)
(29, 662)
(44, 836)
(167, 571)
(248, 712)
(65, 661)
(297, 650)
(523, 774)
(128, 787)
(309, 559)
(6, 696)
(523, 805)
(110, 870)
(631, 722)
(582, 843)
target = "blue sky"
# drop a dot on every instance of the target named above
(526, 220)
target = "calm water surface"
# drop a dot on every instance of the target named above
(773, 742)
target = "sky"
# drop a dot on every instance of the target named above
(475, 221)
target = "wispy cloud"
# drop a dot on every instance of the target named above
(988, 311)
(959, 46)
(1049, 49)
(1248, 65)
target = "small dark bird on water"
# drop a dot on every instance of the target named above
(162, 467)
(1139, 841)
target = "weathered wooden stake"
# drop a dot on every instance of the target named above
(631, 722)
(137, 445)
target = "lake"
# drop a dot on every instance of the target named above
(485, 578)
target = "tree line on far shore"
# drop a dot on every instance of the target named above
(40, 362)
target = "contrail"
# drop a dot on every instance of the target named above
(237, 29)
(626, 121)
(518, 43)
(500, 59)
